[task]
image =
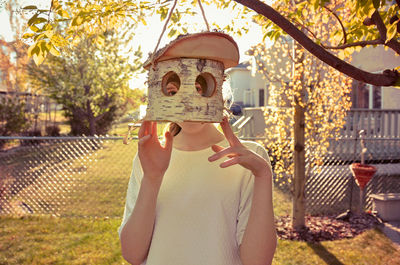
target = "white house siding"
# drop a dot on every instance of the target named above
(390, 98)
(244, 82)
(239, 82)
(246, 86)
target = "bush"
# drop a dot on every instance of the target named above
(12, 117)
(31, 133)
(53, 130)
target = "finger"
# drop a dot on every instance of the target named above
(154, 129)
(143, 128)
(144, 139)
(147, 128)
(233, 161)
(230, 151)
(230, 136)
(217, 148)
(168, 141)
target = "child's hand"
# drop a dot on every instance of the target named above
(239, 154)
(154, 158)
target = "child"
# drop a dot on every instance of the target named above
(185, 208)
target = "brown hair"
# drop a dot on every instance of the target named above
(173, 128)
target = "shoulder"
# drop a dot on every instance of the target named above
(256, 148)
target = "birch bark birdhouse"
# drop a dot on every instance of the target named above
(185, 78)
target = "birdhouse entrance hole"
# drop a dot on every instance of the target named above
(205, 84)
(170, 84)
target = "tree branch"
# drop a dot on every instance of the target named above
(394, 45)
(358, 43)
(387, 78)
(341, 24)
(377, 20)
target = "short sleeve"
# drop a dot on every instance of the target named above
(246, 193)
(132, 192)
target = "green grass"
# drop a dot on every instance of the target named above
(282, 202)
(371, 247)
(47, 240)
(53, 240)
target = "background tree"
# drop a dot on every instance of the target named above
(91, 80)
(13, 54)
(361, 23)
(12, 117)
(371, 22)
(310, 102)
(13, 76)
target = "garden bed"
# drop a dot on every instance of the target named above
(326, 228)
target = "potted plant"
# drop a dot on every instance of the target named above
(361, 171)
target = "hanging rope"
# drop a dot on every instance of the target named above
(204, 15)
(162, 33)
(165, 27)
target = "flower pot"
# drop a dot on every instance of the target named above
(362, 173)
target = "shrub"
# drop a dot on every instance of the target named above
(12, 117)
(53, 130)
(31, 133)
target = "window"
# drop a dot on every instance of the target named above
(261, 97)
(376, 97)
(365, 96)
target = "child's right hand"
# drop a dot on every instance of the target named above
(154, 157)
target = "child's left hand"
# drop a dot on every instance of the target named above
(239, 154)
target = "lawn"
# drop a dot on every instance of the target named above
(55, 240)
(99, 179)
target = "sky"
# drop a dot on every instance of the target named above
(149, 34)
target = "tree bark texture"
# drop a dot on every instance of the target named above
(187, 104)
(387, 78)
(299, 177)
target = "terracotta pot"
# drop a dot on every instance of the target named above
(362, 173)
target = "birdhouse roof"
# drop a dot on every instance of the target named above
(216, 46)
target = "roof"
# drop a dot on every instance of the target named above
(216, 46)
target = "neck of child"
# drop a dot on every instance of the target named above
(187, 140)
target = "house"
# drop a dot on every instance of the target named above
(366, 96)
(375, 109)
(250, 88)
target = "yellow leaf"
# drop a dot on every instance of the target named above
(54, 51)
(27, 35)
(100, 40)
(38, 59)
(34, 28)
(49, 34)
(29, 7)
(392, 30)
(31, 48)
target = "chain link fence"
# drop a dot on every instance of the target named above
(88, 177)
(331, 187)
(64, 176)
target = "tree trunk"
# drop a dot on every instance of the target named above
(89, 112)
(299, 174)
(91, 119)
(299, 200)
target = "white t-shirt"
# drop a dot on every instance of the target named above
(202, 209)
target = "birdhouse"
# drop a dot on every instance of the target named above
(185, 78)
